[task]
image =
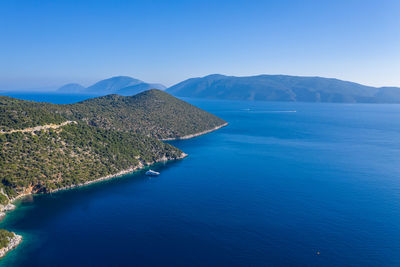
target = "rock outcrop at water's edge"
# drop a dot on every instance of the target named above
(4, 208)
(13, 242)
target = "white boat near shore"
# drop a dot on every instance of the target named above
(152, 173)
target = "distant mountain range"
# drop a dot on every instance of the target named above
(121, 85)
(283, 88)
(259, 88)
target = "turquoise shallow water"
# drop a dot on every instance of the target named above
(273, 188)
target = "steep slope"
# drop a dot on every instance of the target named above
(283, 88)
(152, 113)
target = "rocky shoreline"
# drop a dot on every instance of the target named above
(4, 208)
(13, 243)
(196, 134)
(17, 239)
(10, 206)
(123, 172)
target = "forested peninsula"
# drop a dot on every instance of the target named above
(47, 147)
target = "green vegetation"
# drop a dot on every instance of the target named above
(112, 133)
(5, 237)
(19, 114)
(3, 199)
(152, 113)
(72, 154)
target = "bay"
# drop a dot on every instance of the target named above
(284, 184)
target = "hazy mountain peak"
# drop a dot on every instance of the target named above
(113, 84)
(123, 85)
(71, 88)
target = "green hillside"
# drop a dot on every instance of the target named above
(152, 113)
(71, 155)
(20, 114)
(44, 146)
(5, 237)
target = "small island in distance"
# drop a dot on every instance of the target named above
(48, 147)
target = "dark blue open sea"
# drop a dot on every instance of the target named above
(285, 184)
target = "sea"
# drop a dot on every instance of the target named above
(284, 184)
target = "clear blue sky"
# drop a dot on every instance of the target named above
(49, 43)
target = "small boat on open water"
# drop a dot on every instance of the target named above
(152, 173)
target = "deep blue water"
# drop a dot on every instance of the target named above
(273, 188)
